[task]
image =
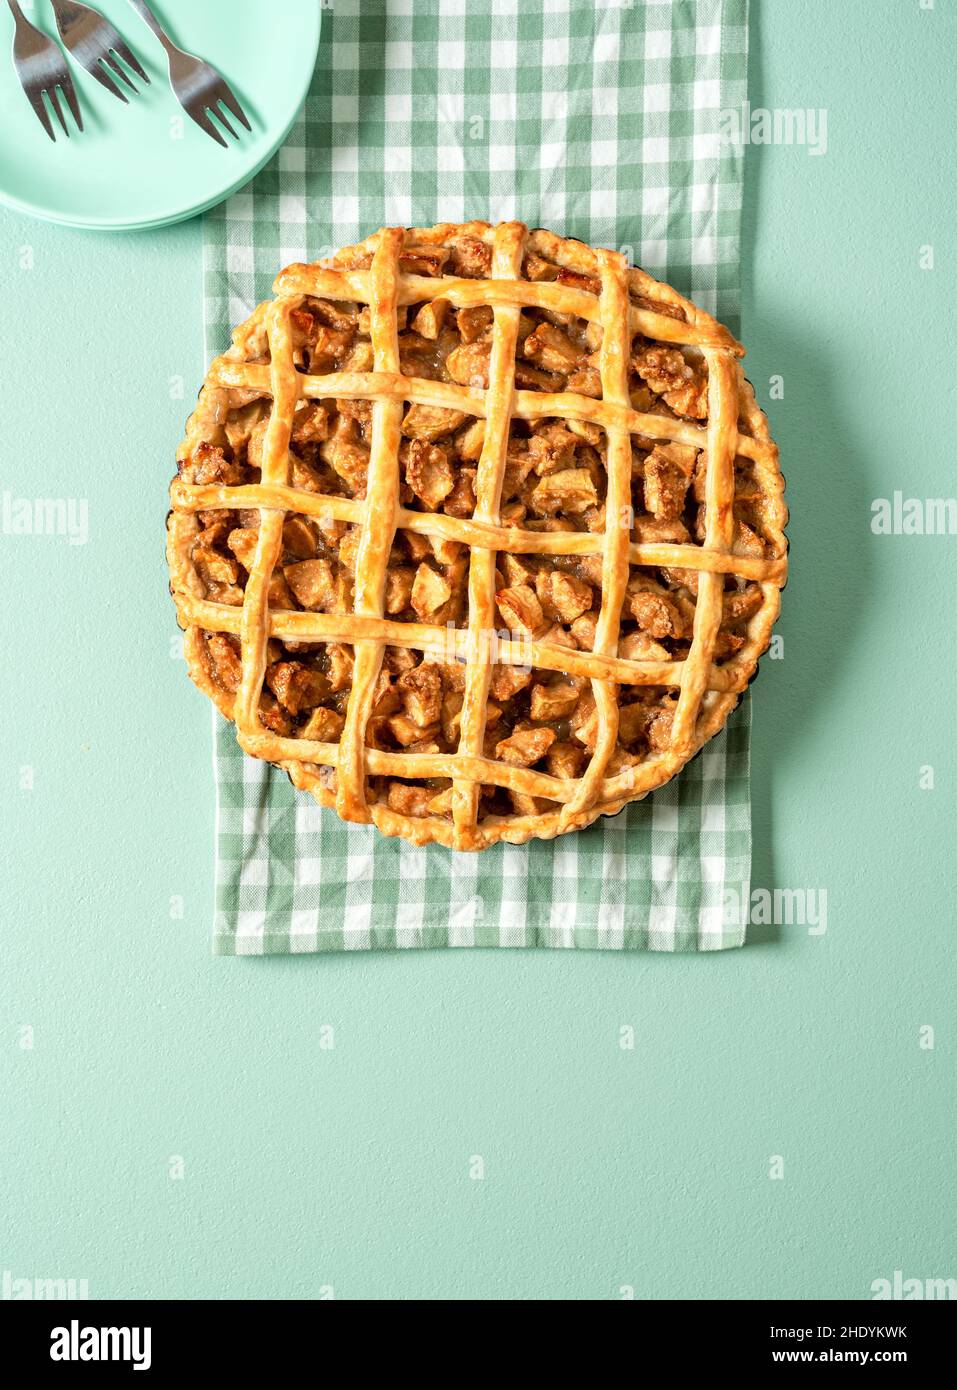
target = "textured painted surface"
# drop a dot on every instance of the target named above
(307, 1167)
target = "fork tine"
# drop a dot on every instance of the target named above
(67, 88)
(35, 97)
(221, 116)
(114, 66)
(51, 93)
(98, 71)
(129, 58)
(228, 99)
(198, 114)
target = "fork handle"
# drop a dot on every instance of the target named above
(23, 31)
(146, 13)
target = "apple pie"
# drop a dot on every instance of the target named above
(477, 532)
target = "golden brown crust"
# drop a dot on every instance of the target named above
(242, 635)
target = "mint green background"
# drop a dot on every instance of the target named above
(647, 1168)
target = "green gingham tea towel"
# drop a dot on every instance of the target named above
(600, 120)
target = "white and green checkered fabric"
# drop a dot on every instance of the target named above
(600, 120)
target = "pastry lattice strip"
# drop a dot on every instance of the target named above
(384, 288)
(507, 250)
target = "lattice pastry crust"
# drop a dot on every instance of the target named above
(477, 532)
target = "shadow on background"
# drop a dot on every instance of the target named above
(827, 493)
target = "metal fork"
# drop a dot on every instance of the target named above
(199, 88)
(96, 45)
(41, 67)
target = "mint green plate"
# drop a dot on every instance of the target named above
(147, 164)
